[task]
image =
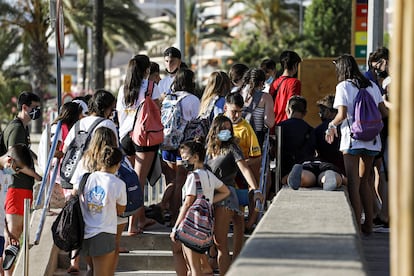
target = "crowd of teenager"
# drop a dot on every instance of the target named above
(241, 107)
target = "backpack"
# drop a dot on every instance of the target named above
(133, 188)
(196, 229)
(147, 129)
(75, 152)
(69, 227)
(367, 122)
(173, 120)
(247, 111)
(200, 126)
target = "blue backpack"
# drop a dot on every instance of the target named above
(133, 188)
(367, 122)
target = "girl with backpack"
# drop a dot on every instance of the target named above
(358, 154)
(225, 158)
(102, 199)
(130, 95)
(193, 155)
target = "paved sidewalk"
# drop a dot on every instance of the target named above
(376, 251)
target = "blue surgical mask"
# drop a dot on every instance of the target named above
(269, 80)
(9, 171)
(224, 135)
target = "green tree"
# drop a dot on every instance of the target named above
(266, 28)
(327, 28)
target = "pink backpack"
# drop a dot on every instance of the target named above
(148, 129)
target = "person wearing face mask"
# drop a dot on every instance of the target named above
(269, 67)
(172, 60)
(225, 158)
(16, 159)
(378, 68)
(193, 154)
(17, 132)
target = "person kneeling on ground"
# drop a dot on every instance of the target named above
(316, 174)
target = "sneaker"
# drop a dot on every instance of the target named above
(330, 181)
(295, 176)
(380, 223)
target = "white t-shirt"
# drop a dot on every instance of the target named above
(126, 115)
(209, 183)
(5, 181)
(190, 106)
(98, 203)
(345, 95)
(85, 124)
(165, 84)
(43, 145)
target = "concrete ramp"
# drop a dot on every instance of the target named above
(304, 232)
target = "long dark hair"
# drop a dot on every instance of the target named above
(101, 101)
(137, 68)
(252, 78)
(347, 69)
(184, 81)
(69, 114)
(214, 145)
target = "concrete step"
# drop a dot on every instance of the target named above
(62, 272)
(154, 260)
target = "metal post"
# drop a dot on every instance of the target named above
(26, 237)
(180, 34)
(375, 25)
(278, 132)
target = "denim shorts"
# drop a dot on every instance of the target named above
(361, 152)
(171, 156)
(231, 202)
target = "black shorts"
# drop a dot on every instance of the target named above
(130, 148)
(318, 167)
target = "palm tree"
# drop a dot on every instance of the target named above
(197, 29)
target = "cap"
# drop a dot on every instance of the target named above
(172, 52)
(327, 101)
(83, 105)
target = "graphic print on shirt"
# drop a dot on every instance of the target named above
(95, 199)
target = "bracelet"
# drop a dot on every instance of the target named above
(257, 191)
(331, 125)
(174, 229)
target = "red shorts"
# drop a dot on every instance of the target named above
(14, 204)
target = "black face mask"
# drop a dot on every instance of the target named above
(188, 166)
(381, 74)
(173, 72)
(35, 113)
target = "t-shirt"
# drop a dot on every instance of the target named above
(345, 95)
(15, 133)
(5, 181)
(98, 203)
(290, 86)
(225, 166)
(85, 124)
(126, 115)
(248, 142)
(298, 143)
(328, 152)
(209, 183)
(165, 84)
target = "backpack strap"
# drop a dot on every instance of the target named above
(150, 89)
(91, 128)
(257, 96)
(83, 182)
(199, 188)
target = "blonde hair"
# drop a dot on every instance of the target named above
(218, 84)
(102, 137)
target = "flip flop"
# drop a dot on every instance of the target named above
(73, 271)
(10, 254)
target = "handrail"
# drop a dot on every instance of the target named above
(278, 173)
(49, 162)
(263, 173)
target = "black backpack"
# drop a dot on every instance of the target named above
(75, 152)
(69, 226)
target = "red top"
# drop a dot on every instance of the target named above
(65, 131)
(289, 87)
